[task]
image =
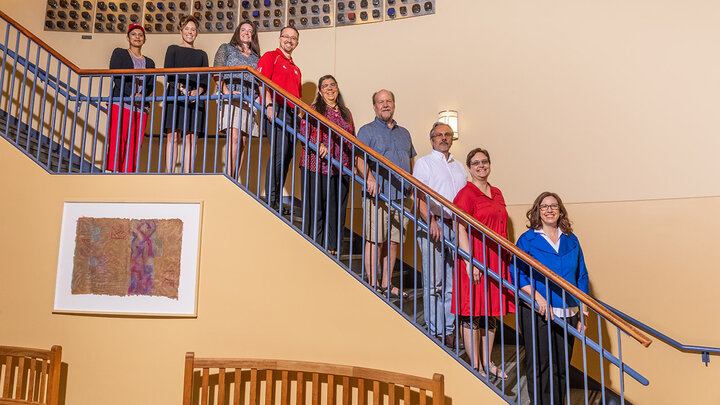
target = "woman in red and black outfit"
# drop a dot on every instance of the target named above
(128, 117)
(326, 201)
(480, 298)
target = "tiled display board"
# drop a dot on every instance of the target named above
(350, 12)
(69, 15)
(162, 16)
(216, 15)
(115, 16)
(269, 14)
(397, 9)
(310, 13)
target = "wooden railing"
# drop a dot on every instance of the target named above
(236, 379)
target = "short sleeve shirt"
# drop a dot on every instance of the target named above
(283, 71)
(395, 144)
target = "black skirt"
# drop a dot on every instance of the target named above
(185, 115)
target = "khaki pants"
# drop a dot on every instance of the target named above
(378, 231)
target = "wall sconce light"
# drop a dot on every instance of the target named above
(450, 117)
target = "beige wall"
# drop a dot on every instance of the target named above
(252, 302)
(612, 104)
(601, 101)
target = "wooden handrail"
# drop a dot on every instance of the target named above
(586, 299)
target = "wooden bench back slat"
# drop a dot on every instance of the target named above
(316, 389)
(376, 392)
(19, 377)
(284, 388)
(300, 400)
(331, 390)
(43, 381)
(30, 375)
(346, 390)
(287, 371)
(8, 376)
(221, 387)
(31, 380)
(268, 387)
(238, 381)
(361, 392)
(205, 386)
(253, 386)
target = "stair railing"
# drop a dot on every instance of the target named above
(73, 117)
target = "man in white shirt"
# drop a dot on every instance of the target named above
(446, 176)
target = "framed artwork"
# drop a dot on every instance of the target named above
(129, 258)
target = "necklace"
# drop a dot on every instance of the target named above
(138, 56)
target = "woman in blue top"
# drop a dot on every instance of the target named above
(551, 242)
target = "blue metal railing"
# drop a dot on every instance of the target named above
(703, 351)
(88, 114)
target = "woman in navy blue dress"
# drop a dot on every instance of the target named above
(181, 117)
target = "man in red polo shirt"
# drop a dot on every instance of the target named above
(279, 67)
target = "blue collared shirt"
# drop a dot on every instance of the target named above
(395, 144)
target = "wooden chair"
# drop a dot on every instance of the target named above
(29, 376)
(241, 381)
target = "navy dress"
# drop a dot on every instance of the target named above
(182, 116)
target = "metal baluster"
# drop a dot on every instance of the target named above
(2, 70)
(97, 127)
(548, 319)
(11, 90)
(517, 328)
(621, 366)
(31, 114)
(602, 363)
(51, 135)
(85, 122)
(153, 104)
(41, 120)
(71, 147)
(21, 103)
(565, 345)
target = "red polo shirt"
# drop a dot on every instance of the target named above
(283, 71)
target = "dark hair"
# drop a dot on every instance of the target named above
(254, 41)
(391, 95)
(533, 215)
(292, 28)
(475, 151)
(321, 106)
(185, 20)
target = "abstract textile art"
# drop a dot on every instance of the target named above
(127, 257)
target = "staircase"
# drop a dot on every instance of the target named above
(40, 148)
(51, 152)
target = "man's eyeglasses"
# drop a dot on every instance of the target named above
(292, 38)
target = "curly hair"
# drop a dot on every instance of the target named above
(533, 215)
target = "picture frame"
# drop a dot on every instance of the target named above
(129, 258)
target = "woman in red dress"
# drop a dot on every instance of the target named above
(479, 297)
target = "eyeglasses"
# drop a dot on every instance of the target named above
(483, 162)
(328, 85)
(294, 39)
(444, 135)
(546, 207)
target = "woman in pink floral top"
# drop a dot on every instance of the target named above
(325, 198)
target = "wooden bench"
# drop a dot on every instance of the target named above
(29, 376)
(247, 381)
